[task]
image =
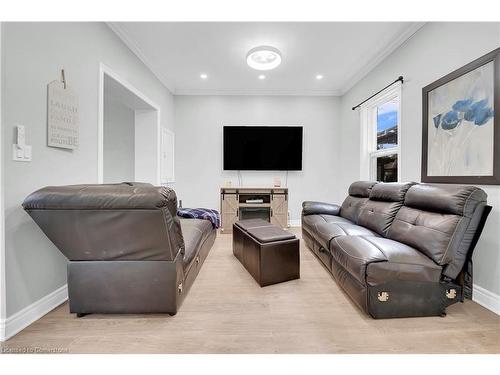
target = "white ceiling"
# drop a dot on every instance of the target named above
(343, 52)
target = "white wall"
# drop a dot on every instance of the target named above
(118, 142)
(34, 53)
(198, 154)
(146, 150)
(434, 51)
(2, 221)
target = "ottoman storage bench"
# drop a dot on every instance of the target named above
(269, 253)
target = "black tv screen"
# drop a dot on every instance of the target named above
(263, 148)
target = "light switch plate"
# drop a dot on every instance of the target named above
(21, 151)
(27, 153)
(21, 135)
(21, 154)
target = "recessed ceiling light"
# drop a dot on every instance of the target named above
(262, 76)
(319, 76)
(264, 58)
(203, 76)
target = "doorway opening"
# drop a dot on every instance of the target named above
(129, 132)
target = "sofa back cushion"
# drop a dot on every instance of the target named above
(109, 222)
(359, 192)
(384, 202)
(440, 221)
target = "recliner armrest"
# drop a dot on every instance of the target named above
(316, 208)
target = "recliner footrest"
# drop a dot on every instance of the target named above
(398, 299)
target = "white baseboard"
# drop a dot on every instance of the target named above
(486, 299)
(2, 330)
(20, 320)
(295, 223)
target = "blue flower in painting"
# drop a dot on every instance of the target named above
(472, 112)
(478, 113)
(450, 120)
(437, 120)
(483, 115)
(462, 105)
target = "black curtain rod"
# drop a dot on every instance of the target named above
(400, 79)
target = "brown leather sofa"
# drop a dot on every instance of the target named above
(128, 250)
(399, 249)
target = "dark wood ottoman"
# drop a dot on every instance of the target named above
(269, 253)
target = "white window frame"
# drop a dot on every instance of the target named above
(368, 132)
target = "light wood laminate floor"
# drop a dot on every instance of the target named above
(227, 312)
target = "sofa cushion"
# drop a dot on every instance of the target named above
(390, 191)
(354, 253)
(440, 221)
(446, 199)
(361, 188)
(429, 232)
(351, 207)
(311, 222)
(376, 260)
(384, 203)
(324, 232)
(195, 232)
(359, 192)
(404, 263)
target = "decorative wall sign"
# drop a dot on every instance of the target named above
(461, 125)
(62, 116)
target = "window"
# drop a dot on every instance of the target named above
(380, 136)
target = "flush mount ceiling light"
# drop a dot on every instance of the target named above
(264, 58)
(319, 76)
(203, 76)
(262, 76)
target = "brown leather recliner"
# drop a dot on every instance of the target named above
(128, 250)
(399, 249)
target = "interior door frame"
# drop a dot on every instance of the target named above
(106, 70)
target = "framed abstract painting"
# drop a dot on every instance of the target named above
(461, 125)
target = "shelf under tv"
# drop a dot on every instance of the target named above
(233, 206)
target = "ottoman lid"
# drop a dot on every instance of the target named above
(252, 223)
(270, 233)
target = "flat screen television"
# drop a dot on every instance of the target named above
(262, 148)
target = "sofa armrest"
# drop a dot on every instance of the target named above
(316, 208)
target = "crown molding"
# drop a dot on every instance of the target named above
(350, 83)
(117, 29)
(381, 56)
(200, 92)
